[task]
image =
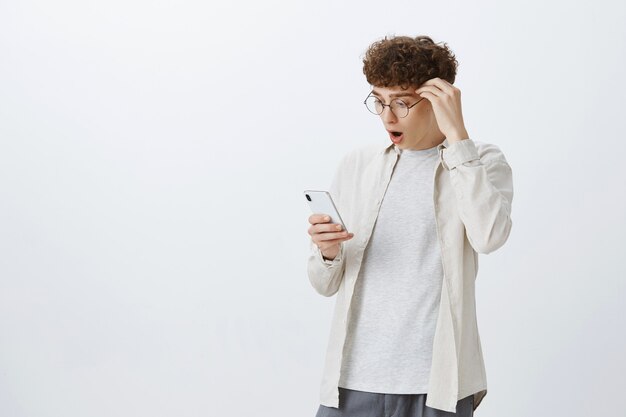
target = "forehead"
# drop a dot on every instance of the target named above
(393, 92)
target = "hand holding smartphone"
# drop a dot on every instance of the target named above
(321, 202)
(326, 234)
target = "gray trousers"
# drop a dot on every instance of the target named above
(354, 403)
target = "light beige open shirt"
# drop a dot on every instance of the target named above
(473, 191)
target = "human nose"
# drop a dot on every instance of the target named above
(387, 114)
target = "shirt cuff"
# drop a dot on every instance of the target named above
(458, 153)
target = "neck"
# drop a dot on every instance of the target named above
(432, 139)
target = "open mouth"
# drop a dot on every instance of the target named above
(395, 136)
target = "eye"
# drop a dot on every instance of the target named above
(400, 103)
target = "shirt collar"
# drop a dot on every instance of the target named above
(393, 147)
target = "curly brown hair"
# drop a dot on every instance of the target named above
(408, 62)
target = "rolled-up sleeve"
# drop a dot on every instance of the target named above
(325, 275)
(483, 185)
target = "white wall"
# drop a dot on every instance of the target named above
(153, 229)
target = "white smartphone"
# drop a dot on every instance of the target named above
(321, 202)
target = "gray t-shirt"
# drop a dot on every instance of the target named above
(396, 297)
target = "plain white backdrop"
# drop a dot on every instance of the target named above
(153, 231)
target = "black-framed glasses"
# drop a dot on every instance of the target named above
(397, 106)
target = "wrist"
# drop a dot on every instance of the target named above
(457, 136)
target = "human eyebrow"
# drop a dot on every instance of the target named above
(394, 95)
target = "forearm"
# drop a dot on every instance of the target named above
(325, 275)
(484, 192)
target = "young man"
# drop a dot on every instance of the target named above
(404, 339)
